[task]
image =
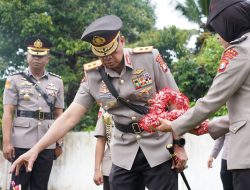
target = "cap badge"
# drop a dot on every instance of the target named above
(97, 40)
(38, 44)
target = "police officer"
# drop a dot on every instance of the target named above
(32, 100)
(103, 162)
(136, 75)
(231, 20)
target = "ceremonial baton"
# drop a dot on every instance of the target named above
(171, 151)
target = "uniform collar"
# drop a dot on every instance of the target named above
(29, 73)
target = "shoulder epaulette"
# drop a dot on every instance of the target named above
(16, 73)
(55, 75)
(239, 40)
(146, 49)
(92, 65)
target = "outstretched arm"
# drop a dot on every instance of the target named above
(58, 129)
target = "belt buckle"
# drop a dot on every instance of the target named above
(41, 115)
(136, 128)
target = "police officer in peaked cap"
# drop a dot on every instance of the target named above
(32, 100)
(136, 74)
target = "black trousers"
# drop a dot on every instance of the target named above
(160, 177)
(226, 176)
(241, 179)
(106, 186)
(38, 178)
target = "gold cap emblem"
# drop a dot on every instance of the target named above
(97, 40)
(38, 44)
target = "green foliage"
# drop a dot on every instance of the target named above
(171, 42)
(194, 74)
(194, 10)
(63, 21)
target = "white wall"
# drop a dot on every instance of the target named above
(74, 170)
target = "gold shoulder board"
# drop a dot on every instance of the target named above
(55, 75)
(92, 65)
(146, 49)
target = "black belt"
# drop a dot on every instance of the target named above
(35, 114)
(130, 128)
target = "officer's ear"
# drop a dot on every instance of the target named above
(122, 40)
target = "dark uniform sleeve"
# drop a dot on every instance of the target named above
(10, 96)
(225, 84)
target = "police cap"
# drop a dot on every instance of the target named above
(38, 45)
(216, 7)
(103, 34)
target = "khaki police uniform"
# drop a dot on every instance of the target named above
(136, 154)
(22, 94)
(31, 121)
(100, 131)
(231, 85)
(104, 127)
(144, 74)
(32, 115)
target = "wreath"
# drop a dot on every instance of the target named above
(159, 107)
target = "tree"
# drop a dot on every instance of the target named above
(64, 21)
(171, 42)
(194, 10)
(194, 73)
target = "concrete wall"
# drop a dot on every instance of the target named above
(74, 169)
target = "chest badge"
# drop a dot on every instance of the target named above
(138, 71)
(141, 81)
(145, 91)
(103, 88)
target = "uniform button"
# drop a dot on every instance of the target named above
(40, 108)
(38, 82)
(122, 81)
(133, 118)
(138, 137)
(39, 95)
(39, 123)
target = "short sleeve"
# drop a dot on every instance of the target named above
(10, 95)
(83, 96)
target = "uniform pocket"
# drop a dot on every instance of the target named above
(236, 126)
(21, 122)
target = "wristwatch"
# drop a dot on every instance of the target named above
(180, 142)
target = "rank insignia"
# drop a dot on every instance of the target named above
(226, 57)
(162, 63)
(141, 81)
(51, 86)
(138, 71)
(26, 83)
